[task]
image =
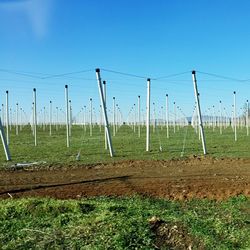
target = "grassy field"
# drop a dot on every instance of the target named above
(108, 223)
(127, 145)
(123, 223)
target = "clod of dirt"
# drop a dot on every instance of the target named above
(172, 235)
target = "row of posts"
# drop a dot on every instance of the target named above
(102, 92)
(107, 135)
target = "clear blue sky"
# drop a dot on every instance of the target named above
(148, 38)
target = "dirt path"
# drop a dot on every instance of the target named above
(180, 179)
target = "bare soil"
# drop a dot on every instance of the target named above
(176, 179)
(173, 235)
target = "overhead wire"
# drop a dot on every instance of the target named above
(43, 76)
(172, 75)
(125, 74)
(40, 75)
(223, 77)
(68, 73)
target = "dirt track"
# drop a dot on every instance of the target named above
(180, 179)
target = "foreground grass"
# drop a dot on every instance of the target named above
(127, 145)
(119, 223)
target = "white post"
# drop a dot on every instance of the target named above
(67, 113)
(167, 115)
(174, 117)
(134, 118)
(5, 146)
(32, 125)
(177, 118)
(11, 119)
(35, 116)
(154, 118)
(139, 117)
(214, 119)
(100, 113)
(113, 116)
(220, 117)
(21, 119)
(247, 119)
(84, 118)
(104, 110)
(50, 118)
(17, 119)
(116, 115)
(162, 117)
(235, 121)
(199, 113)
(82, 110)
(148, 117)
(3, 118)
(44, 119)
(225, 119)
(70, 118)
(57, 117)
(7, 117)
(105, 100)
(90, 124)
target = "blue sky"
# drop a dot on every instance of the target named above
(146, 38)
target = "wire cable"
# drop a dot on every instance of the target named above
(172, 75)
(68, 73)
(125, 74)
(223, 77)
(43, 76)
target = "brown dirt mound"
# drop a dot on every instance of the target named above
(176, 179)
(169, 235)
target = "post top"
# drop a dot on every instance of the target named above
(234, 92)
(113, 97)
(104, 82)
(148, 79)
(34, 89)
(193, 72)
(66, 86)
(166, 94)
(7, 91)
(97, 70)
(50, 101)
(139, 96)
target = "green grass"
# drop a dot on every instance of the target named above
(127, 145)
(119, 223)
